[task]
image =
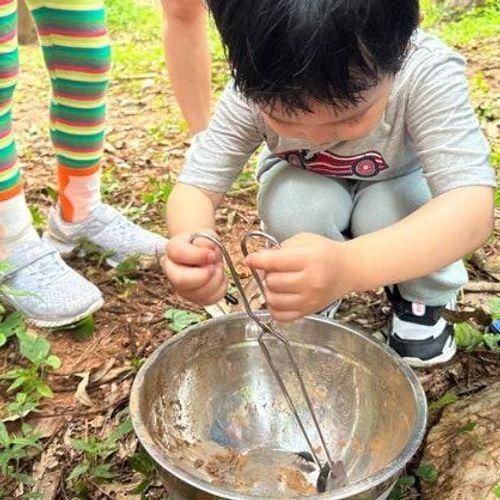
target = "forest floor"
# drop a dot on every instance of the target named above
(145, 146)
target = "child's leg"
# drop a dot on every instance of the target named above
(292, 201)
(419, 332)
(55, 294)
(381, 204)
(15, 221)
(77, 53)
(78, 56)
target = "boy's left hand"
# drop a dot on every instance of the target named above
(305, 275)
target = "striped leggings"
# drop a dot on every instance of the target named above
(77, 54)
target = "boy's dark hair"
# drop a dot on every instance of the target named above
(292, 51)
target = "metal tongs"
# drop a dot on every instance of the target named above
(330, 472)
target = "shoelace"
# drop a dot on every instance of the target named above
(47, 271)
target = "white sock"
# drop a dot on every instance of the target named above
(15, 224)
(80, 196)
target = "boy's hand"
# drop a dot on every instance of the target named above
(195, 269)
(304, 276)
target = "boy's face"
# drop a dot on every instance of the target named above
(326, 124)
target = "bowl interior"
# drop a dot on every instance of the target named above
(212, 412)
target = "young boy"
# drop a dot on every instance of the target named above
(375, 172)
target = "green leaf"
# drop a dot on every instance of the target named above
(446, 399)
(427, 473)
(18, 382)
(180, 319)
(44, 390)
(51, 193)
(143, 487)
(24, 478)
(78, 471)
(497, 491)
(128, 267)
(102, 472)
(53, 362)
(407, 481)
(33, 347)
(26, 441)
(141, 462)
(467, 337)
(83, 329)
(4, 435)
(80, 444)
(37, 217)
(122, 430)
(469, 426)
(494, 306)
(12, 324)
(3, 339)
(492, 340)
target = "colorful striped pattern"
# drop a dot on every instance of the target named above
(77, 53)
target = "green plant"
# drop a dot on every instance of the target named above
(446, 399)
(179, 319)
(468, 427)
(160, 191)
(405, 486)
(427, 473)
(94, 468)
(109, 182)
(469, 338)
(127, 269)
(13, 450)
(28, 381)
(141, 462)
(461, 28)
(94, 252)
(37, 216)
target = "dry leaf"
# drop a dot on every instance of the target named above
(101, 372)
(81, 391)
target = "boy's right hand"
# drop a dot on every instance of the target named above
(195, 269)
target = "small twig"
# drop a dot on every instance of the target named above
(95, 485)
(482, 286)
(144, 76)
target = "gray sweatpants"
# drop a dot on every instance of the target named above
(292, 200)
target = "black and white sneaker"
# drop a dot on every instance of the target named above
(419, 333)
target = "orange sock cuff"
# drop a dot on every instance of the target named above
(11, 192)
(64, 172)
(76, 201)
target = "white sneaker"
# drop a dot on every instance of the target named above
(39, 284)
(107, 229)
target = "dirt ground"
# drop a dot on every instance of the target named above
(131, 324)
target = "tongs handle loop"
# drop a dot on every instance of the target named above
(246, 303)
(255, 235)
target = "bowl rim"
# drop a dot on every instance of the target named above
(392, 470)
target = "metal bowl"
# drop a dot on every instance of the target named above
(207, 409)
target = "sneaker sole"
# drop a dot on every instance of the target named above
(40, 323)
(66, 249)
(442, 358)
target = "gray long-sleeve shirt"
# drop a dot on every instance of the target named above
(428, 123)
